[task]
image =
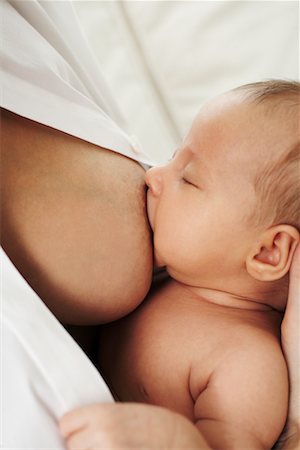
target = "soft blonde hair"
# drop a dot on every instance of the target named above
(278, 184)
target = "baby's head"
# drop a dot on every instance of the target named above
(225, 210)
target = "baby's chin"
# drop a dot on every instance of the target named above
(158, 261)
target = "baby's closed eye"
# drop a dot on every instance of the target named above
(185, 180)
(189, 182)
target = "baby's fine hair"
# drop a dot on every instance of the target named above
(278, 184)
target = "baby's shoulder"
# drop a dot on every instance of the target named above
(257, 352)
(256, 338)
(243, 346)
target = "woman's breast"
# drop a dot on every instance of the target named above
(74, 222)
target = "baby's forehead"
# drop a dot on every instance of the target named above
(283, 105)
(224, 117)
(223, 109)
(234, 113)
(230, 123)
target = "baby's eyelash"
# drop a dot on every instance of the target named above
(187, 181)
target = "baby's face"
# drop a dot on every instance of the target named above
(199, 202)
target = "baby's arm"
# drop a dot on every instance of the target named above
(245, 402)
(244, 406)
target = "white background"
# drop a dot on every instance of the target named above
(163, 59)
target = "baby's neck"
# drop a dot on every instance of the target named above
(227, 299)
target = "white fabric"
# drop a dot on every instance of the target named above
(48, 74)
(44, 373)
(164, 59)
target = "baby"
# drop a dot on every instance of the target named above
(225, 219)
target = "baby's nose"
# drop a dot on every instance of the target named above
(153, 180)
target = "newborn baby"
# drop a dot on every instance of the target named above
(225, 219)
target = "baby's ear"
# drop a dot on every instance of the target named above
(271, 256)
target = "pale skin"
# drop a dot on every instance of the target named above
(223, 382)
